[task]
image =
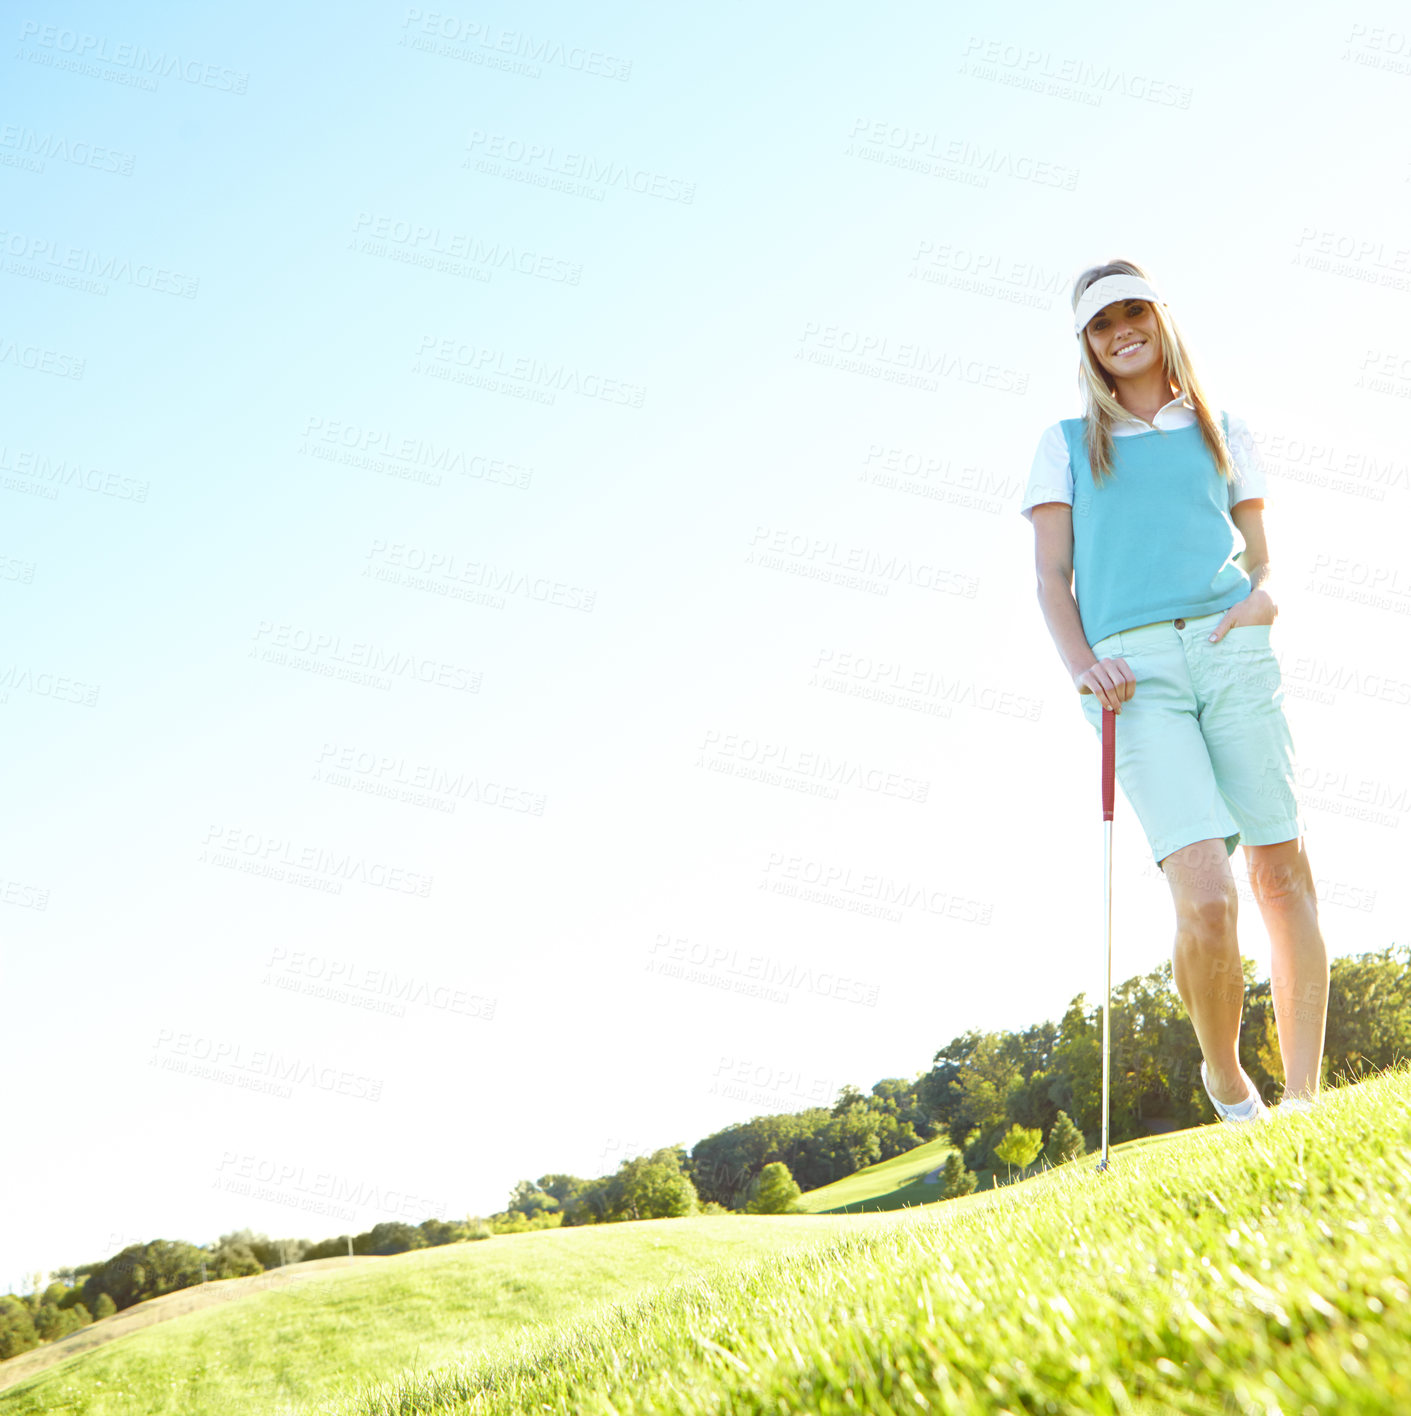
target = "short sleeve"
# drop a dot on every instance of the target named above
(1051, 475)
(1248, 480)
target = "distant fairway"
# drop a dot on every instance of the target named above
(888, 1185)
(903, 1181)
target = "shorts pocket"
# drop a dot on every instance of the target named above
(1245, 665)
(1250, 639)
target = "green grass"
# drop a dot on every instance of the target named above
(901, 1182)
(280, 1351)
(1225, 1269)
(888, 1185)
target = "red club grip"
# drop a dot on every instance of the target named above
(1109, 761)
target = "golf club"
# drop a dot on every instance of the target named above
(1109, 769)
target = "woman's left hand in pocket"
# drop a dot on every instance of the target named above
(1257, 607)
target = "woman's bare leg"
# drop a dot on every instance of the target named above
(1206, 960)
(1282, 880)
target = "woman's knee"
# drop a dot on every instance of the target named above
(1206, 958)
(1204, 894)
(1281, 876)
(1207, 927)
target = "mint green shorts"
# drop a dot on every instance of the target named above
(1203, 749)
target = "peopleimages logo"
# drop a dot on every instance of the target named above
(281, 1181)
(40, 360)
(530, 160)
(822, 878)
(378, 990)
(257, 1069)
(454, 252)
(451, 37)
(21, 146)
(880, 356)
(756, 975)
(781, 763)
(54, 261)
(935, 154)
(258, 853)
(61, 48)
(1024, 66)
(358, 661)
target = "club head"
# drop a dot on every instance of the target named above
(1103, 1164)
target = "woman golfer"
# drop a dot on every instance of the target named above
(1141, 497)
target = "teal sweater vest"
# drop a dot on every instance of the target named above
(1155, 541)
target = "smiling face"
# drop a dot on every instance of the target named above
(1124, 338)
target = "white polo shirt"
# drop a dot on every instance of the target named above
(1051, 476)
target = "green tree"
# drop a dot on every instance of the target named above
(444, 1231)
(1369, 1014)
(653, 1187)
(232, 1256)
(52, 1322)
(391, 1236)
(895, 1096)
(841, 1146)
(1019, 1147)
(775, 1192)
(143, 1271)
(936, 1090)
(955, 1178)
(276, 1253)
(17, 1332)
(972, 1148)
(591, 1202)
(1065, 1141)
(562, 1188)
(531, 1201)
(981, 1090)
(103, 1307)
(517, 1222)
(848, 1096)
(723, 1166)
(1077, 1084)
(334, 1247)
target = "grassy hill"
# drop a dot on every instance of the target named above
(1222, 1269)
(228, 1350)
(1262, 1268)
(196, 1299)
(889, 1185)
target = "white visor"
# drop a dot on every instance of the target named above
(1105, 291)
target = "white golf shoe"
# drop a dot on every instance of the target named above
(1250, 1109)
(1291, 1105)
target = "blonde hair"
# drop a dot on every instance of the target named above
(1100, 406)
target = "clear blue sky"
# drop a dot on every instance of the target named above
(517, 515)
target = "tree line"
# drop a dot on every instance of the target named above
(999, 1098)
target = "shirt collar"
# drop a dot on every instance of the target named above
(1180, 401)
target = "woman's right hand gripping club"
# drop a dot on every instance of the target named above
(1111, 680)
